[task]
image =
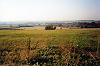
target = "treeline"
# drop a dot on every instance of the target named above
(89, 25)
(81, 25)
(78, 24)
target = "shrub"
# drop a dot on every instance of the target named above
(50, 27)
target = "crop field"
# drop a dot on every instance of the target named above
(65, 47)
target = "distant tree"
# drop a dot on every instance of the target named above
(50, 27)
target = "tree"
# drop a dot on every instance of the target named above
(50, 27)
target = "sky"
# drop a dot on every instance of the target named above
(49, 10)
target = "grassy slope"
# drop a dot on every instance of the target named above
(50, 36)
(14, 39)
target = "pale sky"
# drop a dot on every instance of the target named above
(49, 10)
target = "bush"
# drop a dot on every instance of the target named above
(50, 27)
(50, 56)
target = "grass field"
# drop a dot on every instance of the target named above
(66, 47)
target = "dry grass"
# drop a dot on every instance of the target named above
(18, 41)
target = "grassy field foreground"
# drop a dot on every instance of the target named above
(68, 47)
